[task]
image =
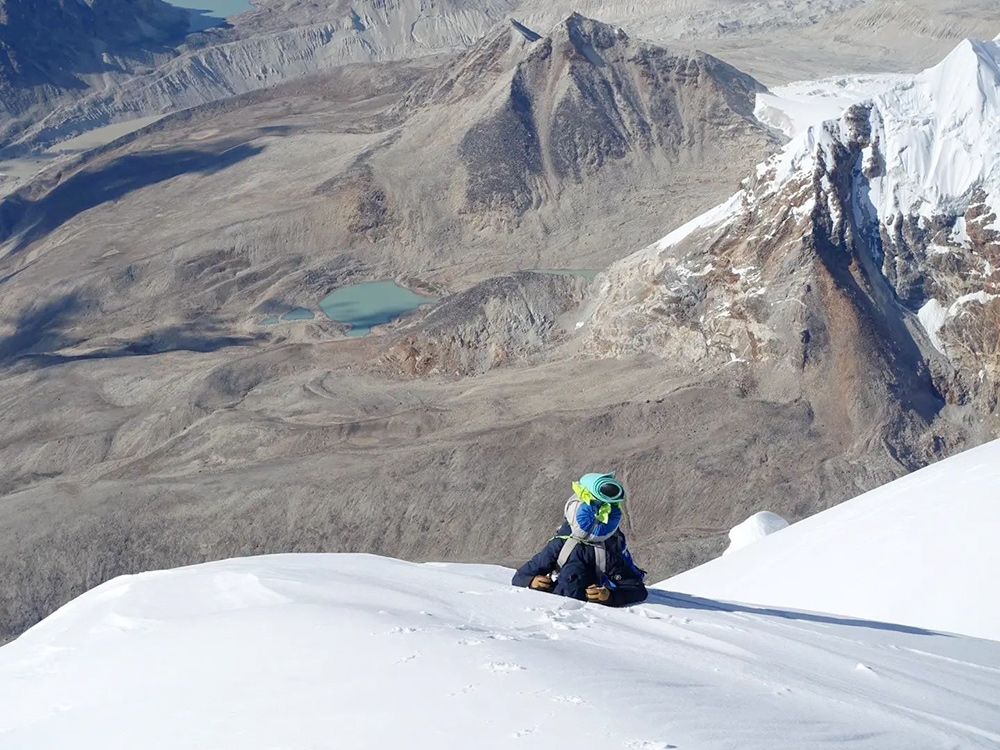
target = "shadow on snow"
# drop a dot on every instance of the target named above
(687, 601)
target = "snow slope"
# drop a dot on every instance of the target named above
(919, 550)
(938, 133)
(351, 651)
(795, 107)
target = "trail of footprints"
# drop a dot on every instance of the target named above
(570, 616)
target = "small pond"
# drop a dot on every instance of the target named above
(370, 304)
(299, 313)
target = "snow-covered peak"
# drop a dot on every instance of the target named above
(942, 134)
(965, 83)
(905, 177)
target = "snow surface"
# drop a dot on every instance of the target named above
(938, 131)
(795, 107)
(755, 528)
(352, 651)
(920, 551)
(942, 135)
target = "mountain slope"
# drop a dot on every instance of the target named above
(60, 47)
(912, 551)
(356, 651)
(530, 132)
(858, 267)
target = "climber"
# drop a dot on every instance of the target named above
(588, 559)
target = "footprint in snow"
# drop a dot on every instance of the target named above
(503, 667)
(648, 745)
(404, 631)
(568, 619)
(470, 642)
(571, 699)
(501, 637)
(522, 733)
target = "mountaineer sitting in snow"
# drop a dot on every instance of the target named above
(588, 559)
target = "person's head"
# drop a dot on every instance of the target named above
(596, 510)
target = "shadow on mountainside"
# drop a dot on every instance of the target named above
(687, 601)
(90, 188)
(42, 331)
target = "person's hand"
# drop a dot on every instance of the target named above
(541, 583)
(598, 594)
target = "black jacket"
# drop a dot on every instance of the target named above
(623, 578)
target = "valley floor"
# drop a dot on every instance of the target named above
(307, 651)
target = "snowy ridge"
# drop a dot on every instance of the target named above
(353, 651)
(918, 550)
(942, 136)
(938, 132)
(793, 108)
(909, 171)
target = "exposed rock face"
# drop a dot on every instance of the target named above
(48, 49)
(587, 97)
(502, 321)
(838, 274)
(568, 145)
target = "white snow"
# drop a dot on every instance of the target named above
(351, 651)
(919, 551)
(942, 134)
(933, 315)
(755, 528)
(712, 217)
(795, 107)
(939, 132)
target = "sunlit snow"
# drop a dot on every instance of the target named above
(918, 551)
(352, 651)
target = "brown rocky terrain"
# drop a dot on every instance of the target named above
(149, 420)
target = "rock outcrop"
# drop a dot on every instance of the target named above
(857, 270)
(60, 48)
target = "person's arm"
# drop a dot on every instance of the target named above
(541, 564)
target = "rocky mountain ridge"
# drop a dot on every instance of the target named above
(862, 257)
(59, 48)
(281, 41)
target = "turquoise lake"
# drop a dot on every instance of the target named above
(370, 304)
(214, 8)
(299, 313)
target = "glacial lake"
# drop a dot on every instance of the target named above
(299, 313)
(370, 304)
(215, 8)
(208, 13)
